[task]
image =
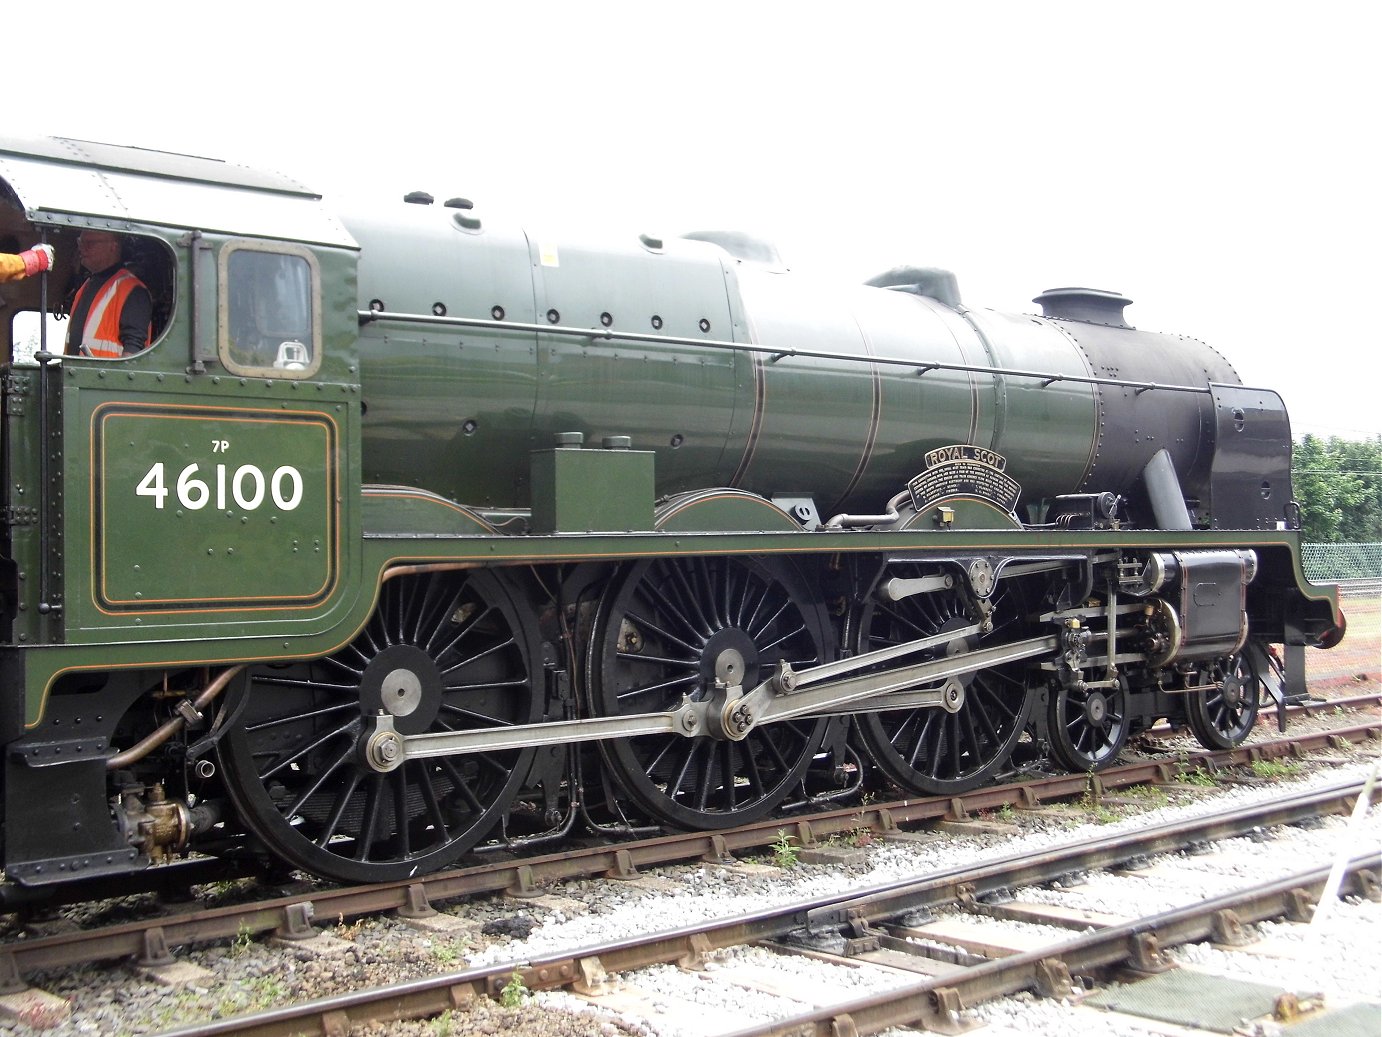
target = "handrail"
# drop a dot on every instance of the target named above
(778, 352)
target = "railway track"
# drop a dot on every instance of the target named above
(888, 923)
(507, 875)
(149, 941)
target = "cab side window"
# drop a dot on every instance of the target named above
(270, 310)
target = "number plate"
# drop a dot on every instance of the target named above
(213, 508)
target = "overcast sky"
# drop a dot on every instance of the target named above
(1216, 162)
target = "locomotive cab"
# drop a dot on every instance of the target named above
(269, 319)
(34, 311)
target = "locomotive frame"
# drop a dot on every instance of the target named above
(271, 588)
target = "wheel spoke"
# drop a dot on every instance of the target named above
(398, 779)
(293, 718)
(677, 682)
(668, 744)
(633, 658)
(768, 744)
(369, 821)
(338, 809)
(434, 614)
(300, 684)
(429, 798)
(321, 779)
(791, 634)
(750, 619)
(697, 622)
(462, 786)
(480, 719)
(756, 785)
(927, 738)
(692, 651)
(485, 686)
(293, 767)
(694, 616)
(765, 624)
(674, 787)
(973, 740)
(471, 660)
(311, 746)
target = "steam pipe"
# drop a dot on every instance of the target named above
(171, 727)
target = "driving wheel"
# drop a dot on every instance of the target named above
(443, 652)
(669, 629)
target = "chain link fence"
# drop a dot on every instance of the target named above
(1351, 566)
(1355, 665)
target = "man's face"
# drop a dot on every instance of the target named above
(98, 250)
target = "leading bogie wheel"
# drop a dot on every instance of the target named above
(1225, 711)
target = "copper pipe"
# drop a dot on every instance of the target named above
(171, 727)
(418, 570)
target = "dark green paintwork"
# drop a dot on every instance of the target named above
(592, 491)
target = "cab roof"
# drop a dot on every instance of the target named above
(57, 180)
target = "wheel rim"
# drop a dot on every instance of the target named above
(664, 627)
(1223, 717)
(1088, 728)
(934, 751)
(444, 652)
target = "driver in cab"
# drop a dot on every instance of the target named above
(112, 310)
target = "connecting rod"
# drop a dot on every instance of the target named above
(729, 713)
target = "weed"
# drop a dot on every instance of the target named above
(441, 1025)
(514, 992)
(449, 953)
(1200, 777)
(244, 940)
(266, 991)
(1092, 791)
(1006, 813)
(1104, 815)
(1274, 769)
(1092, 803)
(860, 835)
(224, 889)
(1153, 794)
(182, 1008)
(784, 850)
(350, 931)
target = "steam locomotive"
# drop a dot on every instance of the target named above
(413, 534)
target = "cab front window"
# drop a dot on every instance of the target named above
(270, 312)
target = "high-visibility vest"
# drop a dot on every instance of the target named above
(101, 333)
